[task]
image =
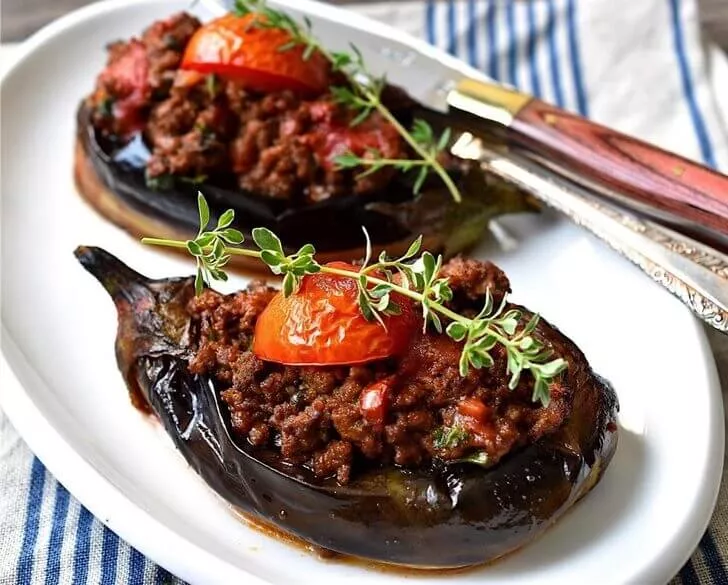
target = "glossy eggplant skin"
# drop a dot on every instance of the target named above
(111, 177)
(441, 517)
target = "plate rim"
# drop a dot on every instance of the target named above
(118, 511)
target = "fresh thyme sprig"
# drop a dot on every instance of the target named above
(363, 95)
(413, 275)
(209, 247)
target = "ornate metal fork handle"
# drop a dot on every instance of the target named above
(693, 272)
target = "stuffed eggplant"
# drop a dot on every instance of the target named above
(276, 135)
(397, 456)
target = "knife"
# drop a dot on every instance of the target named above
(621, 168)
(694, 272)
(563, 159)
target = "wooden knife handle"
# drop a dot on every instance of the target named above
(648, 174)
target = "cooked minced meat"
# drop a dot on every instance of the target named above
(138, 74)
(277, 144)
(313, 415)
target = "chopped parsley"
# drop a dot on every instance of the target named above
(448, 437)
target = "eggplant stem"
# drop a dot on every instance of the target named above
(115, 276)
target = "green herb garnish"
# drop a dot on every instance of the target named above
(416, 278)
(363, 96)
(212, 85)
(194, 180)
(477, 458)
(158, 182)
(448, 437)
(207, 134)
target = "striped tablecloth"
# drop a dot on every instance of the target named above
(639, 66)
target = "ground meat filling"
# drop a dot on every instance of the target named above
(205, 128)
(321, 417)
(139, 73)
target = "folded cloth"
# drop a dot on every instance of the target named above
(637, 66)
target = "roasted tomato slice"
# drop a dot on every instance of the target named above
(234, 47)
(321, 324)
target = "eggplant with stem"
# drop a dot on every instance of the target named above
(443, 515)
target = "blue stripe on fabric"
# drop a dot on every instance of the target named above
(32, 522)
(83, 546)
(430, 22)
(55, 544)
(701, 131)
(137, 564)
(163, 576)
(576, 58)
(512, 43)
(712, 558)
(492, 34)
(688, 576)
(533, 34)
(109, 557)
(452, 35)
(472, 36)
(553, 53)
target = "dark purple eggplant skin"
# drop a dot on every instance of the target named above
(443, 516)
(111, 177)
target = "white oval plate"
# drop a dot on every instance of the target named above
(639, 525)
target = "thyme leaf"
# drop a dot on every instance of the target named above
(413, 275)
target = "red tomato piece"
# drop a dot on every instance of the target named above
(374, 401)
(234, 47)
(127, 79)
(321, 324)
(474, 408)
(334, 135)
